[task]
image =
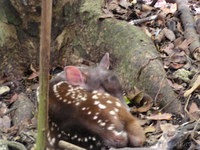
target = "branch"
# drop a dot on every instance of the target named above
(45, 41)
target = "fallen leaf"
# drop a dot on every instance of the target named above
(106, 16)
(193, 108)
(168, 49)
(146, 104)
(169, 34)
(33, 75)
(4, 89)
(32, 68)
(149, 129)
(127, 100)
(184, 45)
(175, 66)
(165, 116)
(168, 127)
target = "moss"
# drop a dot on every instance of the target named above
(7, 32)
(11, 13)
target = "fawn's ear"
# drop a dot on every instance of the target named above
(74, 76)
(105, 61)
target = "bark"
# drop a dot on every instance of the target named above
(80, 35)
(45, 42)
(189, 28)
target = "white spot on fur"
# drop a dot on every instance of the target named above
(112, 112)
(95, 97)
(83, 98)
(59, 135)
(93, 138)
(83, 108)
(106, 94)
(95, 117)
(109, 101)
(111, 127)
(69, 102)
(101, 106)
(95, 91)
(89, 112)
(99, 94)
(52, 141)
(77, 104)
(121, 133)
(118, 104)
(99, 121)
(86, 139)
(91, 146)
(116, 110)
(96, 102)
(102, 124)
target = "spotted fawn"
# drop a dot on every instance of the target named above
(86, 108)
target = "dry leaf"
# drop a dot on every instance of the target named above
(168, 49)
(149, 129)
(147, 104)
(32, 68)
(193, 108)
(176, 66)
(168, 127)
(33, 75)
(106, 16)
(169, 34)
(194, 87)
(165, 116)
(184, 45)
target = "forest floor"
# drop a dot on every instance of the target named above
(163, 23)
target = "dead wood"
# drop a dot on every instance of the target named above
(190, 32)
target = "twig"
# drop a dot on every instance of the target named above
(139, 21)
(185, 108)
(153, 3)
(195, 128)
(189, 28)
(69, 146)
(9, 111)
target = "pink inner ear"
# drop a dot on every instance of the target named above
(73, 75)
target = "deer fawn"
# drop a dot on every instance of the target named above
(86, 108)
